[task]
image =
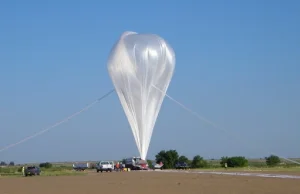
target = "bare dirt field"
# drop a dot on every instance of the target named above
(148, 182)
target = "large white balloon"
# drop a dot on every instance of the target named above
(141, 67)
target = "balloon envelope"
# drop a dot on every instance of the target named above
(141, 67)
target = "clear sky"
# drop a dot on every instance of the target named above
(237, 65)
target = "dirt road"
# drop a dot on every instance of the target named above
(148, 183)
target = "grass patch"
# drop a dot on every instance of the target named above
(54, 171)
(6, 171)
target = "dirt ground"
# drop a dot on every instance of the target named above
(148, 183)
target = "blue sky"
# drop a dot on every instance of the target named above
(237, 65)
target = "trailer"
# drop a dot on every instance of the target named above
(81, 166)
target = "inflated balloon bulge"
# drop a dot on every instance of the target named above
(136, 63)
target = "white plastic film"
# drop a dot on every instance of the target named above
(138, 62)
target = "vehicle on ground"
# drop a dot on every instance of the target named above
(81, 166)
(107, 166)
(157, 165)
(136, 163)
(32, 170)
(181, 165)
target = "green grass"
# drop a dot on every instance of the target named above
(9, 170)
(54, 171)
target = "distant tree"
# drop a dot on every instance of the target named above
(45, 165)
(2, 163)
(272, 160)
(161, 156)
(168, 158)
(236, 161)
(11, 163)
(239, 161)
(183, 159)
(199, 162)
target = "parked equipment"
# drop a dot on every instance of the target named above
(136, 163)
(32, 170)
(81, 166)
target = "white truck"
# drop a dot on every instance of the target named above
(105, 166)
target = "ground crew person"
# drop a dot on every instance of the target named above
(23, 171)
(117, 166)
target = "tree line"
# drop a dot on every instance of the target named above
(41, 165)
(2, 163)
(171, 157)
